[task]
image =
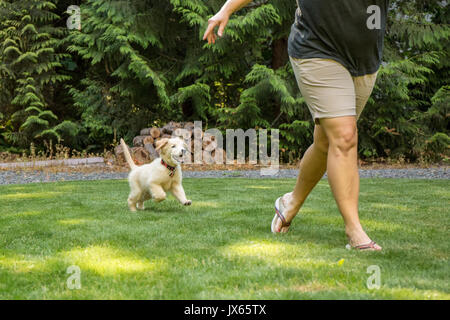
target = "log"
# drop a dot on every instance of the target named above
(148, 140)
(224, 154)
(220, 154)
(140, 155)
(120, 156)
(167, 129)
(198, 132)
(209, 136)
(145, 132)
(189, 126)
(182, 133)
(209, 156)
(155, 132)
(205, 143)
(151, 150)
(173, 125)
(138, 141)
(210, 145)
(188, 134)
(177, 125)
(209, 139)
(170, 124)
(170, 127)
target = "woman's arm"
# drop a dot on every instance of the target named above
(222, 17)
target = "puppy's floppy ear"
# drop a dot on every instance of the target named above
(161, 143)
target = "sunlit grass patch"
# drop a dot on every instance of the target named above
(24, 196)
(107, 261)
(20, 263)
(392, 206)
(72, 222)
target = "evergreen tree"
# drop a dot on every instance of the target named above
(406, 116)
(29, 70)
(131, 49)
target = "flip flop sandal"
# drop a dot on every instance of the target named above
(279, 208)
(368, 246)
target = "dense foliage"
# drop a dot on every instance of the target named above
(140, 63)
(30, 74)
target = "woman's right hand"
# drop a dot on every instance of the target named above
(219, 20)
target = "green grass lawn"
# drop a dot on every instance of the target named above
(220, 247)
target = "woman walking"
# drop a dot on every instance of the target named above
(335, 48)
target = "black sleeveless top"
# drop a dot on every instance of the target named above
(350, 32)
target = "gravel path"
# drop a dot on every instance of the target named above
(21, 177)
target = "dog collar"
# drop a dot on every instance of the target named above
(171, 169)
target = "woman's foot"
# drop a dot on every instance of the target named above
(370, 246)
(286, 212)
(358, 239)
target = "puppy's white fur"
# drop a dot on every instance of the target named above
(152, 181)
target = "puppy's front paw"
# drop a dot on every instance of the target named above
(140, 206)
(187, 203)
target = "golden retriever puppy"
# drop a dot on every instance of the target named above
(153, 180)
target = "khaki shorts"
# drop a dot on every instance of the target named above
(329, 89)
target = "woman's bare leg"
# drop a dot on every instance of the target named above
(343, 175)
(334, 150)
(312, 168)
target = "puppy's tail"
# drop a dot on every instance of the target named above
(127, 155)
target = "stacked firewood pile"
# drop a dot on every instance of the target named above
(144, 145)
